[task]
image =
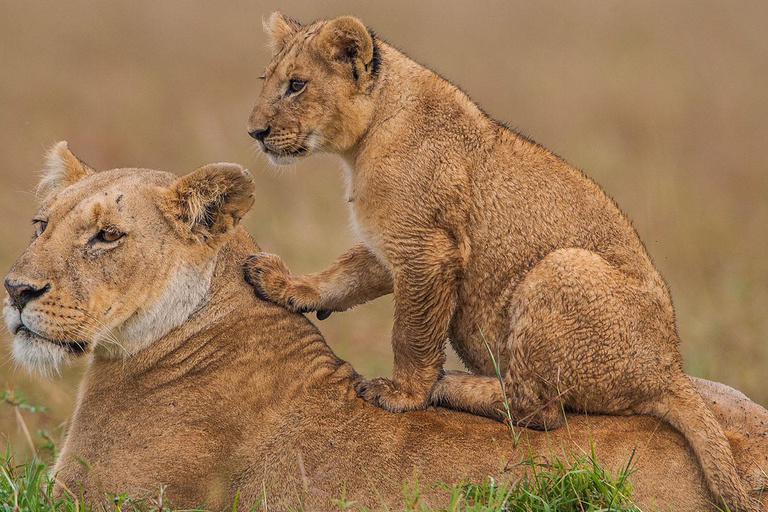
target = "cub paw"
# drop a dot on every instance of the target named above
(272, 281)
(384, 393)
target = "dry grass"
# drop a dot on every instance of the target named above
(664, 103)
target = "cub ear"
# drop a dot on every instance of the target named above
(280, 28)
(62, 169)
(346, 39)
(208, 203)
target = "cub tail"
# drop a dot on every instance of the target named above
(683, 408)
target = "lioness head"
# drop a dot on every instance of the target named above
(316, 89)
(118, 258)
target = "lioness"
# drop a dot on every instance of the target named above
(485, 237)
(196, 385)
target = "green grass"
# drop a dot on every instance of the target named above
(577, 485)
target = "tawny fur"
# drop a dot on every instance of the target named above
(485, 237)
(244, 397)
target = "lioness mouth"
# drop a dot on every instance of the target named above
(73, 347)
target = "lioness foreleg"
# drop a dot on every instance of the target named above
(354, 278)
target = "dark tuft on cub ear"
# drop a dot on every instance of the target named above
(346, 39)
(62, 169)
(375, 64)
(280, 28)
(209, 202)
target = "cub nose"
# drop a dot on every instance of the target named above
(22, 293)
(259, 133)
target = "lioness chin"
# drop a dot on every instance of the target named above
(222, 397)
(486, 238)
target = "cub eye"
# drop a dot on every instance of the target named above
(40, 226)
(296, 86)
(109, 235)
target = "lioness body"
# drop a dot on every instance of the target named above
(485, 237)
(256, 401)
(242, 397)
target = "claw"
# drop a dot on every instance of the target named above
(259, 292)
(248, 274)
(322, 314)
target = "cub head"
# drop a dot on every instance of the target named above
(118, 258)
(317, 89)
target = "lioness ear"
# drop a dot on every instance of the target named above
(62, 169)
(346, 39)
(209, 202)
(280, 28)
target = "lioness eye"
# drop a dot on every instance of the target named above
(109, 235)
(40, 226)
(296, 85)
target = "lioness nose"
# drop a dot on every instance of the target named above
(259, 133)
(22, 293)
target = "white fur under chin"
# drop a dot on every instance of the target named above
(36, 354)
(282, 160)
(39, 355)
(186, 291)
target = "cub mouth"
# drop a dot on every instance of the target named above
(285, 152)
(300, 151)
(73, 347)
(287, 157)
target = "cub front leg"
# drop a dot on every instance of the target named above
(426, 282)
(355, 277)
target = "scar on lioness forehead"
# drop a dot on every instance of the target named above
(103, 212)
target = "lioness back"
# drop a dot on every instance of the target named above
(485, 238)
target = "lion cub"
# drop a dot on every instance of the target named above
(484, 237)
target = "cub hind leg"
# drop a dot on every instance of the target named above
(602, 340)
(482, 395)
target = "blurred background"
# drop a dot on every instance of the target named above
(665, 104)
